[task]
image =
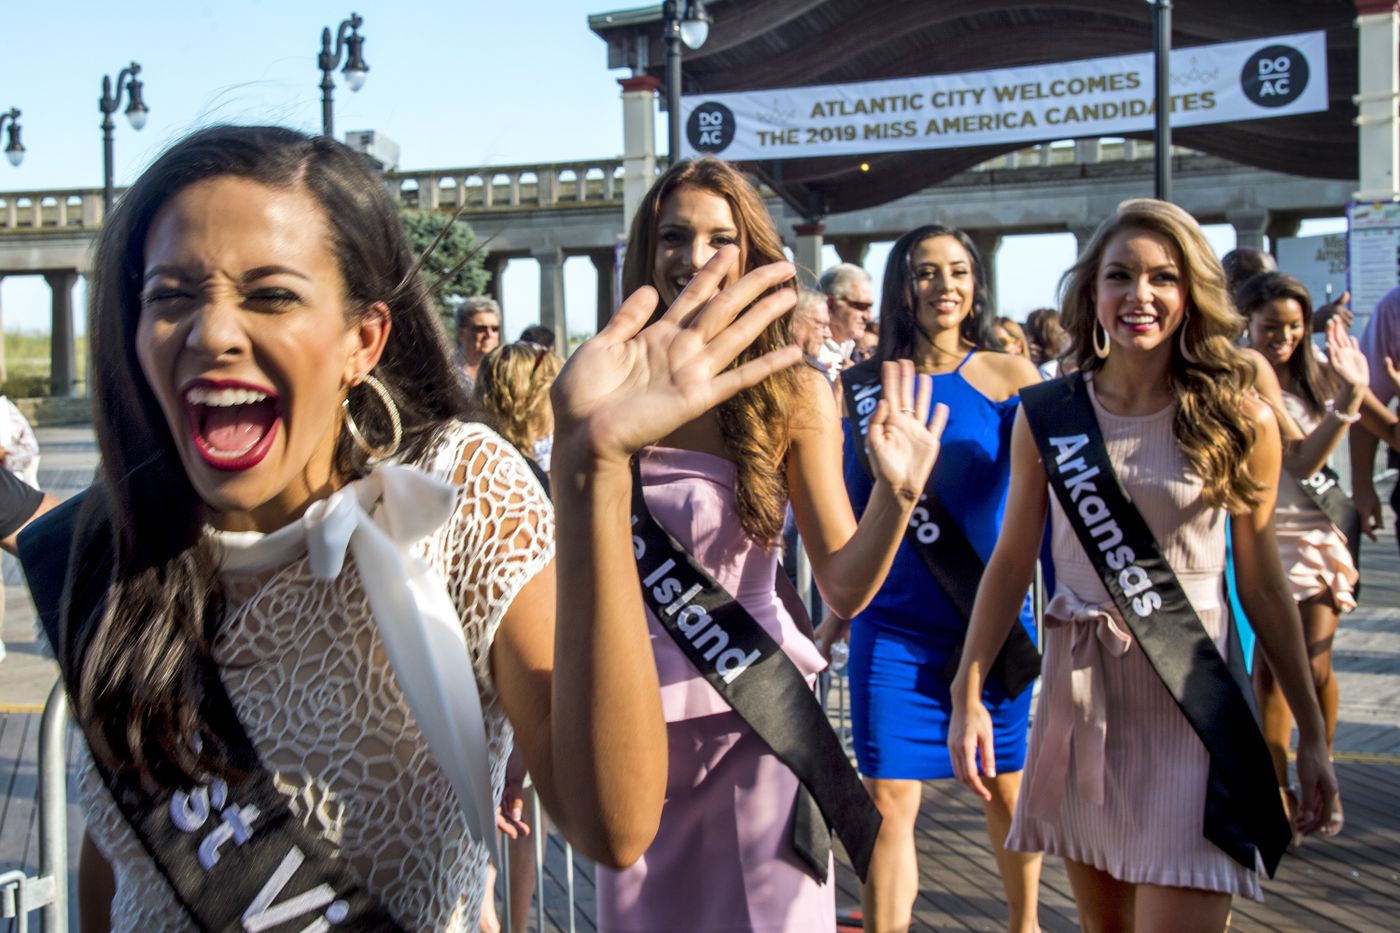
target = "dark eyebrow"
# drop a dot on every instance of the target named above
(262, 272)
(732, 231)
(175, 272)
(251, 275)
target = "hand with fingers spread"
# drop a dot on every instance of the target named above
(635, 382)
(1347, 361)
(903, 440)
(970, 736)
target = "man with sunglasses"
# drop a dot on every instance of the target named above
(850, 299)
(478, 321)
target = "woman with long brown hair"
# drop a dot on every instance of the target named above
(724, 856)
(308, 607)
(1151, 799)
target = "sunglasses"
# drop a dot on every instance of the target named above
(486, 328)
(858, 305)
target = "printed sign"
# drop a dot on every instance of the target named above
(1319, 262)
(1373, 255)
(1224, 83)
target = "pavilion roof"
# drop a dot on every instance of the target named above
(757, 44)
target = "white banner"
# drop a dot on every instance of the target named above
(1225, 83)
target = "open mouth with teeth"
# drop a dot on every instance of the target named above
(1139, 321)
(233, 424)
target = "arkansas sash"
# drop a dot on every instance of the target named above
(1243, 812)
(748, 668)
(935, 535)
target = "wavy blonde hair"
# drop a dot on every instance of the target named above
(512, 392)
(754, 423)
(1212, 380)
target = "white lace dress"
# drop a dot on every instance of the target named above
(304, 665)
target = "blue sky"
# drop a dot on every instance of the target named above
(454, 83)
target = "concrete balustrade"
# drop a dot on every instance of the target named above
(510, 187)
(550, 212)
(503, 188)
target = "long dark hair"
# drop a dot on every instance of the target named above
(899, 316)
(1309, 381)
(150, 620)
(754, 422)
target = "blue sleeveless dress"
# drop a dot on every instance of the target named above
(902, 642)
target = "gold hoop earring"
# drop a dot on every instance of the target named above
(1101, 351)
(1181, 341)
(389, 449)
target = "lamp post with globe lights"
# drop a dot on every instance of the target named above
(347, 40)
(685, 22)
(136, 112)
(15, 150)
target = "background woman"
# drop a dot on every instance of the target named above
(1011, 337)
(935, 312)
(723, 858)
(1152, 326)
(246, 289)
(511, 395)
(1322, 403)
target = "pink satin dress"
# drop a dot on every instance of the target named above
(722, 859)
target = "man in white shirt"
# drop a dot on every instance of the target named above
(851, 302)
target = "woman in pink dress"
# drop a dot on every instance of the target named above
(1116, 783)
(723, 858)
(1321, 401)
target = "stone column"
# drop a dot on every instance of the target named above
(807, 252)
(987, 243)
(495, 265)
(852, 249)
(605, 264)
(551, 262)
(63, 369)
(1250, 224)
(638, 141)
(1378, 87)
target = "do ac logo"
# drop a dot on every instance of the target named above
(1275, 76)
(710, 128)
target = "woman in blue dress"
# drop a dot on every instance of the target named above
(935, 310)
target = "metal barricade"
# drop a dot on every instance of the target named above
(21, 894)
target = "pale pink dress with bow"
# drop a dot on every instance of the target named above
(1116, 777)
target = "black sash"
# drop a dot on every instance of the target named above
(1243, 810)
(938, 539)
(741, 660)
(1323, 491)
(233, 853)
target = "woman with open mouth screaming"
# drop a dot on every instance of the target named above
(307, 605)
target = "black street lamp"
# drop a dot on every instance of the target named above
(135, 114)
(685, 21)
(15, 150)
(1162, 125)
(347, 37)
